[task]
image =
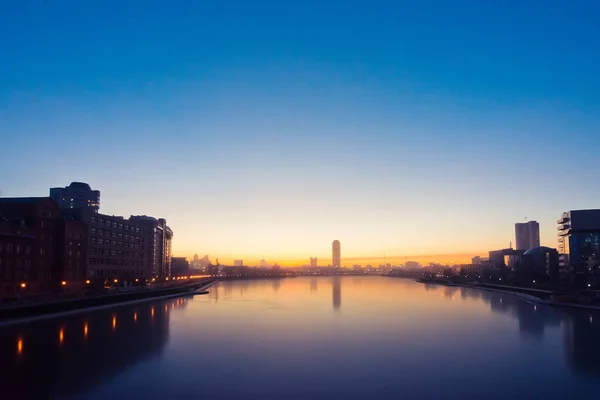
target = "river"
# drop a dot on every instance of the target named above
(349, 337)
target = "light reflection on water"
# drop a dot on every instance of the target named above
(350, 337)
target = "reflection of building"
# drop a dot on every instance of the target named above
(76, 195)
(84, 351)
(313, 284)
(336, 252)
(527, 235)
(579, 241)
(336, 290)
(313, 262)
(581, 335)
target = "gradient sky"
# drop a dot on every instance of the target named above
(267, 129)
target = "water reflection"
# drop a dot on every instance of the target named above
(89, 350)
(336, 291)
(580, 333)
(313, 284)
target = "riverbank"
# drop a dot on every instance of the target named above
(534, 296)
(34, 312)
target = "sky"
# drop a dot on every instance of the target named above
(267, 129)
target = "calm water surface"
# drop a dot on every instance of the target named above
(349, 337)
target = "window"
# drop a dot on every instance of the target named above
(114, 243)
(101, 220)
(114, 234)
(137, 230)
(18, 249)
(9, 248)
(120, 226)
(114, 224)
(94, 219)
(28, 250)
(93, 240)
(27, 263)
(42, 224)
(100, 232)
(120, 236)
(41, 251)
(94, 250)
(93, 231)
(100, 241)
(70, 254)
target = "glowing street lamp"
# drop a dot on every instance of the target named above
(64, 283)
(23, 285)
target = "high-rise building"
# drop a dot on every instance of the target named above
(336, 252)
(579, 240)
(157, 245)
(313, 262)
(76, 195)
(527, 235)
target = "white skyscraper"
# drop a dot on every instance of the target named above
(336, 254)
(527, 235)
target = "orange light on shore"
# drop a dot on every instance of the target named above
(20, 346)
(64, 283)
(23, 285)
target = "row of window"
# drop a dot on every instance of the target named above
(115, 224)
(108, 242)
(18, 263)
(10, 274)
(9, 248)
(101, 232)
(108, 273)
(112, 261)
(119, 253)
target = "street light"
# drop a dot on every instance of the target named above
(23, 285)
(64, 283)
(87, 282)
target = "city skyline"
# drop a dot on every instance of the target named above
(389, 127)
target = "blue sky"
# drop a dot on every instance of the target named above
(268, 129)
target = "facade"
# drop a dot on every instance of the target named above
(540, 264)
(157, 242)
(313, 262)
(336, 252)
(527, 235)
(38, 219)
(16, 255)
(115, 248)
(76, 195)
(579, 241)
(71, 252)
(180, 266)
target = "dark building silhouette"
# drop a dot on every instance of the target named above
(38, 218)
(180, 266)
(76, 195)
(579, 245)
(157, 239)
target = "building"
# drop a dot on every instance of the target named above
(76, 195)
(238, 263)
(336, 251)
(16, 254)
(412, 265)
(579, 242)
(115, 248)
(157, 242)
(527, 235)
(71, 253)
(179, 266)
(32, 222)
(313, 262)
(539, 264)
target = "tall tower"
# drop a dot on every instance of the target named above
(527, 235)
(336, 253)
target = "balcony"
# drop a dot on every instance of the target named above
(563, 227)
(563, 220)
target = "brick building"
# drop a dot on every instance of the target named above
(37, 218)
(16, 252)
